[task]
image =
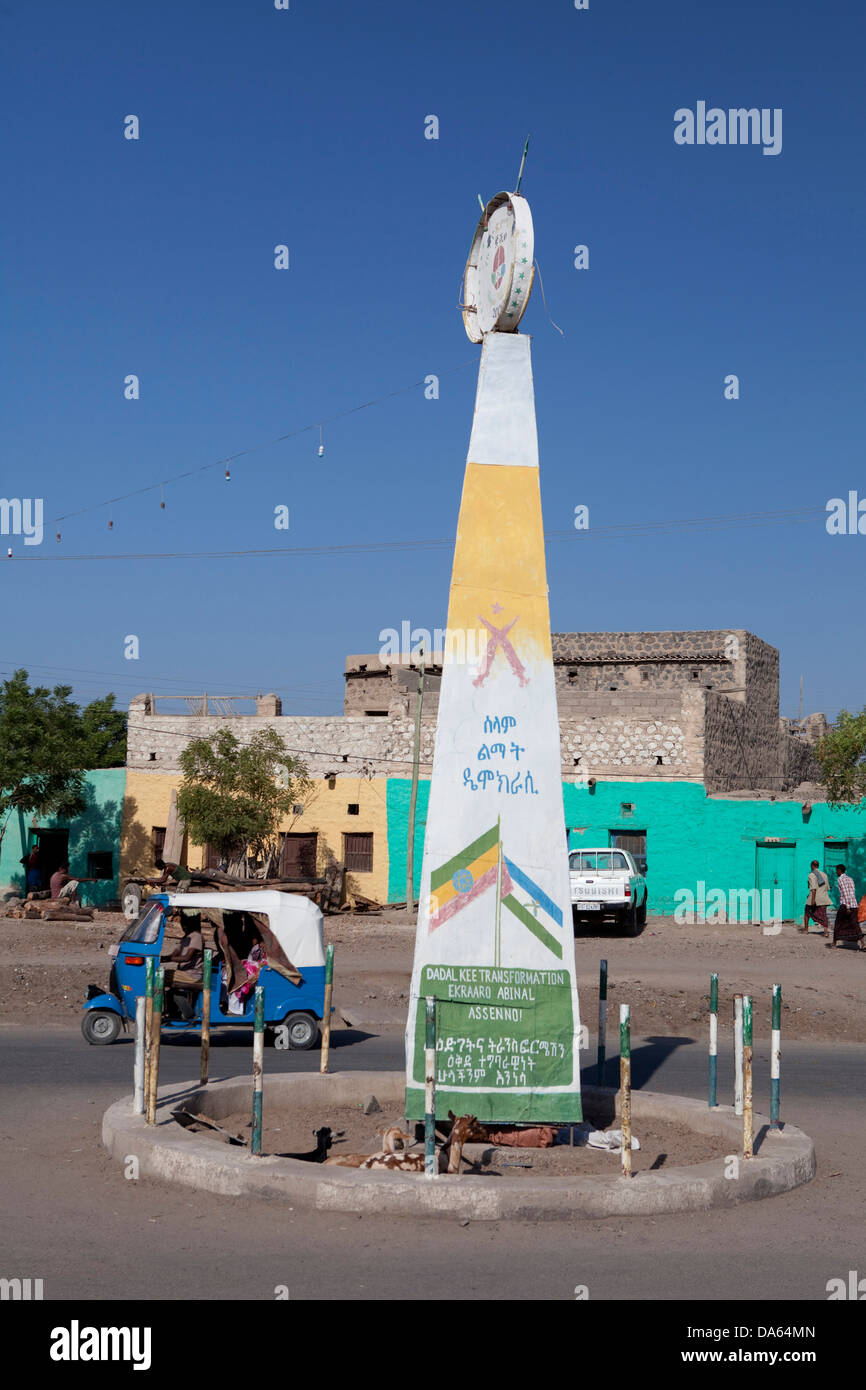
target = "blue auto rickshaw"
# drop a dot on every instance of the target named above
(287, 926)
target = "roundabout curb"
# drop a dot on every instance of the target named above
(167, 1152)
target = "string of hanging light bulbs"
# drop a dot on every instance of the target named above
(226, 463)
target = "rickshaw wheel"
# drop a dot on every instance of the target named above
(100, 1026)
(130, 900)
(303, 1031)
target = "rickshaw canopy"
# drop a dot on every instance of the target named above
(295, 920)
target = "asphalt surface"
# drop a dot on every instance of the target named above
(72, 1219)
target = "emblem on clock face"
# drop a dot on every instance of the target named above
(498, 278)
(498, 267)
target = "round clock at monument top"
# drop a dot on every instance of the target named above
(499, 272)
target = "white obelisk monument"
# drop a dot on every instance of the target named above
(495, 944)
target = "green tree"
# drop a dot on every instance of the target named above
(47, 745)
(42, 765)
(234, 795)
(842, 755)
(104, 731)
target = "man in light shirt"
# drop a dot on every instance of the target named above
(846, 927)
(818, 899)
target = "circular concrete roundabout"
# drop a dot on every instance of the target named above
(169, 1152)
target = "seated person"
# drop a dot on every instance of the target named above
(63, 885)
(186, 963)
(253, 964)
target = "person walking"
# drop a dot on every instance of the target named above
(818, 899)
(846, 927)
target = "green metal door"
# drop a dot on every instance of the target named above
(835, 852)
(775, 874)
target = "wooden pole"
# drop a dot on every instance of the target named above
(738, 1054)
(138, 1070)
(775, 1056)
(258, 1070)
(747, 1076)
(326, 1020)
(155, 1037)
(413, 795)
(148, 1021)
(714, 1038)
(430, 1166)
(625, 1087)
(205, 1017)
(602, 1021)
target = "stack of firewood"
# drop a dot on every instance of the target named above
(51, 910)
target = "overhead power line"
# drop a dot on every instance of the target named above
(254, 448)
(619, 531)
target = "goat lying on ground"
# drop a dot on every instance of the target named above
(324, 1139)
(394, 1140)
(447, 1156)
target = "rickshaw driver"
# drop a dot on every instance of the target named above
(186, 964)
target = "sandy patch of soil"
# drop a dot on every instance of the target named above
(290, 1131)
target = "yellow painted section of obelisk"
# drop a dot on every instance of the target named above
(499, 555)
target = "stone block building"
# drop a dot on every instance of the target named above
(703, 706)
(672, 746)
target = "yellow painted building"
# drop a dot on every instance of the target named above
(346, 815)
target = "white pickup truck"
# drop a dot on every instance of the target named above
(607, 883)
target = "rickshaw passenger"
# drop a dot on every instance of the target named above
(253, 965)
(189, 956)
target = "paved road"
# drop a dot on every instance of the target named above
(72, 1220)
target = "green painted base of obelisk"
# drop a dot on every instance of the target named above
(487, 1106)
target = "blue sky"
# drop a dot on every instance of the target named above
(306, 127)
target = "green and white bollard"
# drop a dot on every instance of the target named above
(747, 1076)
(207, 972)
(258, 1070)
(775, 1056)
(714, 1038)
(738, 1054)
(602, 1022)
(625, 1087)
(326, 1021)
(430, 1164)
(138, 1066)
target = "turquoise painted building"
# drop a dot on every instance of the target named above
(89, 843)
(694, 844)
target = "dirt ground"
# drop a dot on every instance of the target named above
(663, 974)
(290, 1133)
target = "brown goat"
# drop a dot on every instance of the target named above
(447, 1157)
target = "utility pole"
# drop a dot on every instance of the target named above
(800, 715)
(416, 755)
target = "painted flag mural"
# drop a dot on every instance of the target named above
(495, 944)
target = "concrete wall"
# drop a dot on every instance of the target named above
(691, 837)
(98, 829)
(341, 744)
(627, 733)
